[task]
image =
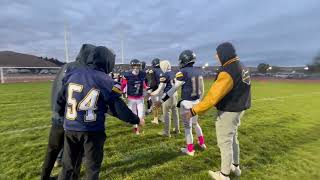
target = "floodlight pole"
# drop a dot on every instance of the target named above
(66, 43)
(1, 75)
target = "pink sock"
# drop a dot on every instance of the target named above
(201, 140)
(190, 147)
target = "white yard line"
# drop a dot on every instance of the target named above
(262, 99)
(285, 97)
(24, 130)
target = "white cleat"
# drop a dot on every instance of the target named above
(58, 163)
(203, 146)
(155, 121)
(185, 151)
(235, 170)
(164, 134)
(217, 175)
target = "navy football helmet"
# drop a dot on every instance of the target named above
(143, 65)
(135, 62)
(155, 62)
(187, 57)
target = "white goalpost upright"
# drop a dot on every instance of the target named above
(66, 43)
(1, 75)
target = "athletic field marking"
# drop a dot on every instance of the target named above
(23, 93)
(262, 99)
(285, 97)
(24, 130)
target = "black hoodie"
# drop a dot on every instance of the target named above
(99, 58)
(81, 61)
(226, 51)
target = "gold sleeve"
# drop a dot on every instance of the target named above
(220, 88)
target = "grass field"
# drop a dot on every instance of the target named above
(279, 138)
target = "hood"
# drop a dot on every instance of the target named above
(165, 66)
(102, 59)
(226, 51)
(84, 53)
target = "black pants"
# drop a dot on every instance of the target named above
(92, 144)
(55, 144)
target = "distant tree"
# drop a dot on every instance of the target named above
(275, 69)
(315, 66)
(262, 68)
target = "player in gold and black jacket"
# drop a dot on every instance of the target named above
(231, 95)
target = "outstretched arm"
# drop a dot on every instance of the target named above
(120, 110)
(220, 88)
(171, 92)
(159, 89)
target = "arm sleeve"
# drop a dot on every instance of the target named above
(171, 92)
(59, 109)
(159, 89)
(116, 107)
(123, 84)
(120, 110)
(58, 100)
(221, 87)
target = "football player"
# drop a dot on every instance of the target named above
(169, 107)
(56, 137)
(154, 78)
(148, 99)
(135, 83)
(191, 80)
(86, 95)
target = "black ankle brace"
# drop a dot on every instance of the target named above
(236, 165)
(227, 175)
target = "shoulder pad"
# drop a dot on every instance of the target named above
(117, 88)
(179, 74)
(162, 79)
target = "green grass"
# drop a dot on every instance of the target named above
(279, 138)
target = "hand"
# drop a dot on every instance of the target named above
(147, 96)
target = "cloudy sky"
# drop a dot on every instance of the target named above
(279, 32)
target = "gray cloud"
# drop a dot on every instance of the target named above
(277, 32)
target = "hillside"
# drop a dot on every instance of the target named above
(14, 59)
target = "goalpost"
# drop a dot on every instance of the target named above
(27, 74)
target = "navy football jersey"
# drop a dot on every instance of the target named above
(87, 93)
(135, 83)
(169, 79)
(154, 78)
(191, 88)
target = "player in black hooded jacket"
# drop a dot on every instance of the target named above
(56, 136)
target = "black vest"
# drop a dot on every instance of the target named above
(239, 98)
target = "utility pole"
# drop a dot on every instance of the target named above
(66, 43)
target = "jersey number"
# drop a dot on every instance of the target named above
(88, 103)
(137, 86)
(196, 81)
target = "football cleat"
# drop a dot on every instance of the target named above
(164, 134)
(217, 175)
(203, 146)
(185, 151)
(235, 170)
